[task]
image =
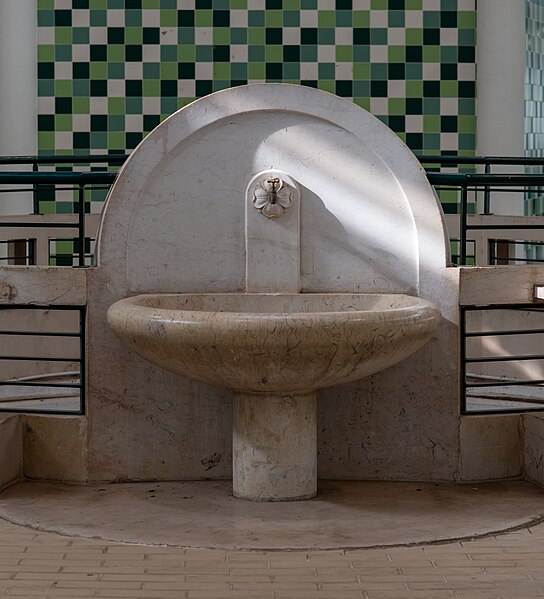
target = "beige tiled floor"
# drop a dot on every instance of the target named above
(37, 564)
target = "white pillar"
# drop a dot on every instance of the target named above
(18, 91)
(500, 106)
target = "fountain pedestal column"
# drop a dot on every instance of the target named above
(274, 446)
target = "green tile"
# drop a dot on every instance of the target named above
(133, 18)
(379, 72)
(344, 53)
(291, 70)
(291, 18)
(326, 37)
(396, 18)
(326, 70)
(326, 18)
(116, 53)
(361, 70)
(413, 71)
(256, 71)
(308, 54)
(204, 53)
(81, 105)
(431, 123)
(80, 89)
(413, 4)
(378, 36)
(46, 52)
(238, 35)
(466, 19)
(169, 53)
(186, 53)
(414, 36)
(448, 89)
(63, 87)
(151, 70)
(99, 70)
(467, 37)
(273, 18)
(431, 53)
(117, 105)
(151, 88)
(221, 70)
(221, 35)
(46, 140)
(133, 105)
(203, 18)
(379, 4)
(133, 35)
(344, 18)
(238, 70)
(98, 18)
(273, 54)
(63, 53)
(169, 18)
(361, 18)
(396, 53)
(327, 86)
(46, 18)
(395, 106)
(116, 70)
(255, 36)
(414, 89)
(448, 54)
(169, 70)
(361, 53)
(431, 19)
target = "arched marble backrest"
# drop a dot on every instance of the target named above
(174, 219)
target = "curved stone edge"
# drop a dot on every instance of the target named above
(530, 522)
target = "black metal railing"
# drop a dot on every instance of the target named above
(12, 402)
(491, 388)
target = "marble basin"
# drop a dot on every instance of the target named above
(262, 343)
(274, 351)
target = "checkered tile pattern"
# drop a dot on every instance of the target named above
(110, 70)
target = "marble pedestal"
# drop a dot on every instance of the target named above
(274, 446)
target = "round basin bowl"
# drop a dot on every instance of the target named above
(274, 343)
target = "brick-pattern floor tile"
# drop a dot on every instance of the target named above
(50, 566)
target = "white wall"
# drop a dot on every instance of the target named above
(500, 106)
(18, 91)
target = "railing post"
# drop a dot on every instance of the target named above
(487, 191)
(463, 226)
(81, 225)
(35, 201)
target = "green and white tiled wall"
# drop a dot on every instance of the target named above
(110, 70)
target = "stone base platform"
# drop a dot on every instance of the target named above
(345, 514)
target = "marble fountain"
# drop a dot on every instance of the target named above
(304, 206)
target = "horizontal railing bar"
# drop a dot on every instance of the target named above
(510, 160)
(507, 383)
(41, 334)
(62, 159)
(503, 358)
(37, 178)
(509, 332)
(40, 359)
(513, 226)
(40, 224)
(29, 384)
(33, 306)
(471, 179)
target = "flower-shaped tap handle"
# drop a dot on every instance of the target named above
(272, 197)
